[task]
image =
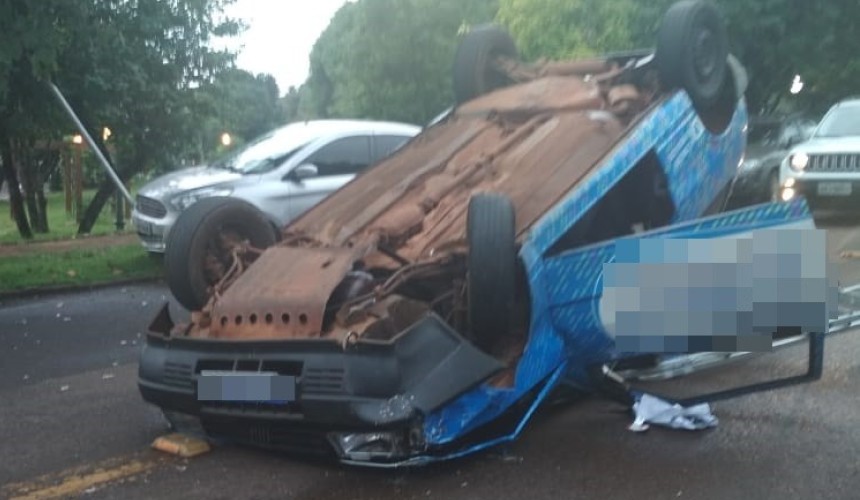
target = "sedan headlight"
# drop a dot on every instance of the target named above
(185, 200)
(799, 161)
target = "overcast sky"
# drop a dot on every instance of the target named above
(280, 36)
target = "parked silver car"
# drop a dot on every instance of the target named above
(282, 173)
(826, 169)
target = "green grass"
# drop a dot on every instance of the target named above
(77, 267)
(61, 225)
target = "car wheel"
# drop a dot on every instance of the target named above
(692, 51)
(199, 246)
(773, 186)
(491, 275)
(474, 70)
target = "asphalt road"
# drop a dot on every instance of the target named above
(72, 424)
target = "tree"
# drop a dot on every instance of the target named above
(237, 102)
(125, 64)
(565, 29)
(289, 105)
(30, 40)
(775, 40)
(388, 59)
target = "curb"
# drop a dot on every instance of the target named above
(35, 292)
(73, 244)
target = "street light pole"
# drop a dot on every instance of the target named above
(101, 157)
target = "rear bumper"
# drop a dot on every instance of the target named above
(379, 387)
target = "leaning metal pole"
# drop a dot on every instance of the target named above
(105, 163)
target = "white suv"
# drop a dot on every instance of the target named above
(826, 168)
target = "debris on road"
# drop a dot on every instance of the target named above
(181, 445)
(850, 255)
(653, 410)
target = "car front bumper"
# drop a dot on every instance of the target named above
(823, 193)
(361, 403)
(152, 231)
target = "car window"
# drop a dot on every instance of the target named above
(269, 151)
(345, 156)
(843, 121)
(387, 144)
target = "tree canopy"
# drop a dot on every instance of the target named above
(567, 29)
(388, 59)
(130, 65)
(391, 59)
(775, 39)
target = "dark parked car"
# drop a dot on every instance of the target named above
(768, 142)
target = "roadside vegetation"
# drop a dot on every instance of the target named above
(63, 226)
(76, 267)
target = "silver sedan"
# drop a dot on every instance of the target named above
(282, 173)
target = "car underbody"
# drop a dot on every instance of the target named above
(427, 307)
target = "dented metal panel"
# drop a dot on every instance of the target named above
(283, 295)
(534, 142)
(551, 94)
(507, 141)
(370, 194)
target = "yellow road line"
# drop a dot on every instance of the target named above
(78, 479)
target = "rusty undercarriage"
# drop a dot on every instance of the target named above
(448, 288)
(380, 252)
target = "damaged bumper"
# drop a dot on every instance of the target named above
(359, 402)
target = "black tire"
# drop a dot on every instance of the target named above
(692, 51)
(491, 276)
(194, 239)
(474, 74)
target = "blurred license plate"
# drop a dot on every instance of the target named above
(246, 386)
(834, 188)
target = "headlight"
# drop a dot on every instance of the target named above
(185, 200)
(799, 161)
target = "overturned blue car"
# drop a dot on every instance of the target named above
(426, 309)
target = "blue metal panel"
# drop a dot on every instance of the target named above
(575, 278)
(697, 164)
(674, 132)
(544, 353)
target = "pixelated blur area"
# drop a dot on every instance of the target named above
(246, 387)
(734, 294)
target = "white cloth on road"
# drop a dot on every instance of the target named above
(653, 410)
